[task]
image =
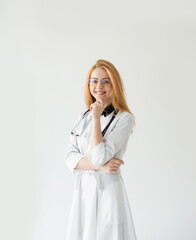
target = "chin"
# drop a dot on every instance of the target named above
(97, 98)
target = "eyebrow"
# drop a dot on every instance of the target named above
(101, 79)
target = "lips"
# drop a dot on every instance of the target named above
(100, 92)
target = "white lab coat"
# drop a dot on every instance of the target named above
(100, 208)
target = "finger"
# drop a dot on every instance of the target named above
(114, 168)
(116, 164)
(97, 103)
(102, 102)
(119, 161)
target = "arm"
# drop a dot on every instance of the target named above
(73, 158)
(85, 164)
(72, 154)
(96, 134)
(102, 151)
(96, 137)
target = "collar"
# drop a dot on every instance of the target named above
(108, 110)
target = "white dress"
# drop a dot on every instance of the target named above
(100, 208)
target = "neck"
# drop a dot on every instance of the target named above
(109, 103)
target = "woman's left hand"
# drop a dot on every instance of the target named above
(112, 165)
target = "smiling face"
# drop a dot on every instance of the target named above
(99, 90)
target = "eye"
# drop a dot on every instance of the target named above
(106, 81)
(93, 81)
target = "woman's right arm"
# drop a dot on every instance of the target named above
(102, 152)
(96, 137)
(73, 157)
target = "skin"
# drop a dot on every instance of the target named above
(102, 101)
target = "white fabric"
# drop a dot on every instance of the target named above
(100, 208)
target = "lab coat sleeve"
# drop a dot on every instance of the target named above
(72, 154)
(113, 142)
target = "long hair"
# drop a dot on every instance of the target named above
(118, 94)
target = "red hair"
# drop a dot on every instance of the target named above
(118, 97)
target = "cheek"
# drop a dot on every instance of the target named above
(92, 91)
(109, 90)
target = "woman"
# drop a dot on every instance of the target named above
(100, 209)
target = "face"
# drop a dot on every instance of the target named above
(99, 90)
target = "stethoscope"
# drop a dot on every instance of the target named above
(82, 124)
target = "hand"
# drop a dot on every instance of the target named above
(112, 165)
(98, 107)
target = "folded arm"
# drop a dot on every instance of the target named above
(101, 151)
(76, 160)
(85, 164)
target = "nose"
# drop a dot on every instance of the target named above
(99, 84)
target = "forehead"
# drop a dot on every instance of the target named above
(99, 73)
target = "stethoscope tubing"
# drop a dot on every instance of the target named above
(105, 129)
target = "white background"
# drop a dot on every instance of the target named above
(46, 50)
